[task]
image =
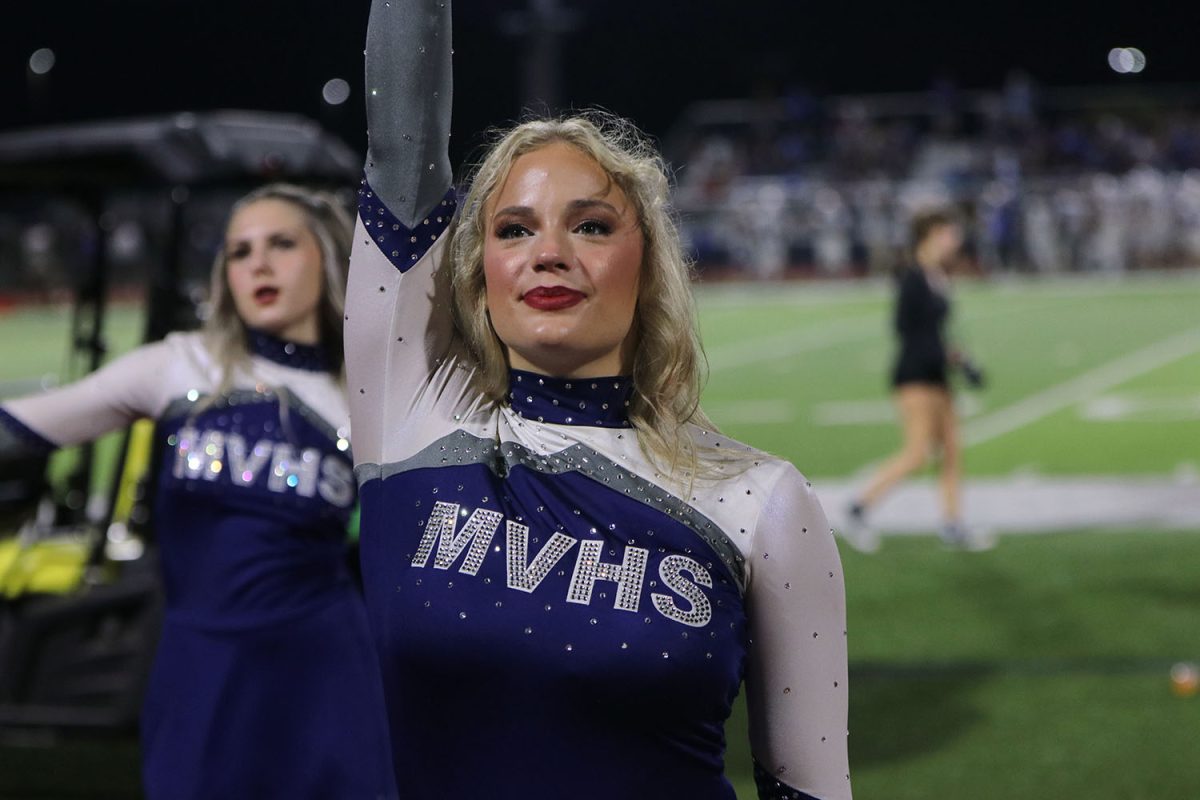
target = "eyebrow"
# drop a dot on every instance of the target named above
(275, 234)
(581, 204)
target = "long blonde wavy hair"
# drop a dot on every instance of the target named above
(669, 367)
(328, 221)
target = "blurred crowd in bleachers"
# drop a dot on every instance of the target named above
(1067, 181)
(1048, 181)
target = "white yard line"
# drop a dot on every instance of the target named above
(1046, 402)
(1031, 504)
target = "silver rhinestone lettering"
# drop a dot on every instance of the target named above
(671, 571)
(628, 575)
(287, 469)
(244, 467)
(477, 532)
(522, 574)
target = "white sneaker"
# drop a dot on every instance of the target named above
(857, 533)
(957, 536)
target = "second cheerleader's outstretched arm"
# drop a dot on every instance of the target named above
(399, 327)
(108, 399)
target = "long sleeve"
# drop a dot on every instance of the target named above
(110, 398)
(797, 668)
(399, 327)
(409, 86)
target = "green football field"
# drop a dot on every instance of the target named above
(1096, 377)
(1037, 669)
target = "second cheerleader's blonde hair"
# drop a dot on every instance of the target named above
(669, 367)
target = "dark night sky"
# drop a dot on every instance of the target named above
(646, 58)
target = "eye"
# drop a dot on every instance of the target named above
(283, 242)
(237, 252)
(512, 230)
(593, 227)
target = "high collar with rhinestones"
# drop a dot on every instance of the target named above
(598, 402)
(310, 357)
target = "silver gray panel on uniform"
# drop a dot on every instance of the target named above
(408, 120)
(461, 447)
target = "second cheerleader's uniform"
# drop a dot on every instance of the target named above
(554, 617)
(265, 683)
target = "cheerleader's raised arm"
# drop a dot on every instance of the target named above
(398, 322)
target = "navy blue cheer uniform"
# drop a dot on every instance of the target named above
(919, 321)
(265, 683)
(554, 617)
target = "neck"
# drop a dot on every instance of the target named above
(288, 352)
(599, 401)
(569, 368)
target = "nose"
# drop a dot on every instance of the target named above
(260, 263)
(553, 253)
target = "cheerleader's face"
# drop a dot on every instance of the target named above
(562, 256)
(273, 264)
(942, 245)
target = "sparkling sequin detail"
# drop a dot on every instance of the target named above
(598, 403)
(477, 533)
(628, 575)
(522, 574)
(671, 571)
(395, 240)
(290, 354)
(578, 458)
(771, 788)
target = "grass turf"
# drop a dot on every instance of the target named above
(1037, 669)
(783, 358)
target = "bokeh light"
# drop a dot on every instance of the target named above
(42, 61)
(335, 92)
(1126, 60)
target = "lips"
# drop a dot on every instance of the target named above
(552, 298)
(266, 295)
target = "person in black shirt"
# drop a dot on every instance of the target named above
(920, 381)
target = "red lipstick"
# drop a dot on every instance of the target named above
(552, 298)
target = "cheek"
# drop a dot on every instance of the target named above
(499, 283)
(239, 284)
(307, 276)
(314, 280)
(626, 273)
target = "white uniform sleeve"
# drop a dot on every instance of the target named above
(796, 671)
(110, 398)
(399, 326)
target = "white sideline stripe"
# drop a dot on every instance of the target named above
(1035, 407)
(1031, 504)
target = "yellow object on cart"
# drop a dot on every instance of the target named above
(54, 562)
(52, 565)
